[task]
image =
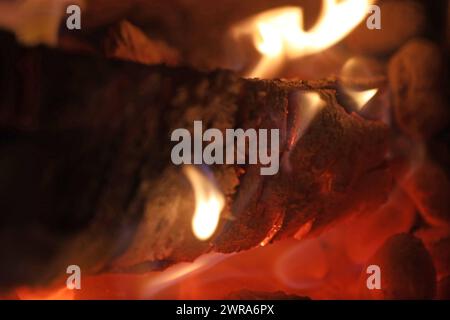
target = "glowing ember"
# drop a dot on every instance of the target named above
(307, 271)
(278, 223)
(45, 294)
(279, 34)
(303, 231)
(209, 202)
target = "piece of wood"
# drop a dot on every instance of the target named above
(417, 82)
(127, 42)
(87, 179)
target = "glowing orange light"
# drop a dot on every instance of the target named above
(180, 272)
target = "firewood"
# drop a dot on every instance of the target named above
(416, 80)
(88, 180)
(126, 41)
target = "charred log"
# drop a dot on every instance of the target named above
(87, 177)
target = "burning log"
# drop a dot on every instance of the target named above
(88, 178)
(416, 80)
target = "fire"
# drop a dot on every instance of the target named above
(360, 70)
(309, 104)
(209, 202)
(179, 272)
(361, 98)
(279, 34)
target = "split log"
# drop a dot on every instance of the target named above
(87, 177)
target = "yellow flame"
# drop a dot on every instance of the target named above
(361, 98)
(309, 104)
(209, 202)
(279, 33)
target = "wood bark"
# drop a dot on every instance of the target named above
(87, 179)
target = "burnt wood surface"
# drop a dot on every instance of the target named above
(86, 176)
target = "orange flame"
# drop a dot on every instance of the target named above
(209, 202)
(279, 34)
(361, 98)
(309, 105)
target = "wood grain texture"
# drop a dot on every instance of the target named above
(88, 179)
